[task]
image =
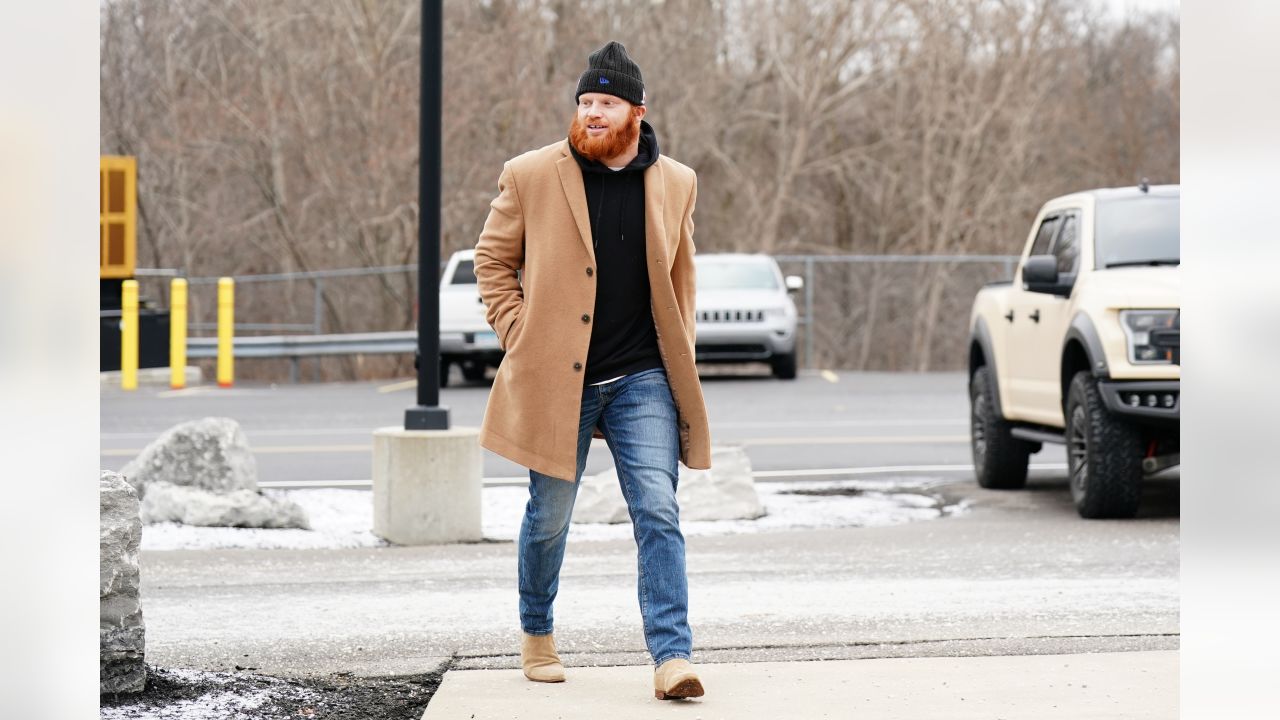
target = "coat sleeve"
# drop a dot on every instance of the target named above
(500, 256)
(683, 271)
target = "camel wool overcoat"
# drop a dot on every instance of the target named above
(539, 227)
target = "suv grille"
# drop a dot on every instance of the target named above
(730, 316)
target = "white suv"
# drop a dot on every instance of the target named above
(745, 312)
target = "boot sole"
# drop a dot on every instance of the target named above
(690, 688)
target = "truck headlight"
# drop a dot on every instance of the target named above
(1138, 325)
(775, 313)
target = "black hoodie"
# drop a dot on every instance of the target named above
(623, 339)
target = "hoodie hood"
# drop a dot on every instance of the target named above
(646, 156)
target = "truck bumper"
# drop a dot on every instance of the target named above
(1148, 401)
(478, 345)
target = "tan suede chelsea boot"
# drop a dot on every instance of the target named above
(676, 679)
(539, 658)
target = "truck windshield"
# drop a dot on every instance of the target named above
(736, 276)
(1137, 231)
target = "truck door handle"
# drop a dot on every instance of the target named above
(1035, 315)
(1009, 316)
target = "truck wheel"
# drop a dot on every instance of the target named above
(473, 370)
(784, 366)
(999, 458)
(1104, 455)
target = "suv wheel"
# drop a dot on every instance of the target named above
(999, 458)
(1104, 455)
(784, 366)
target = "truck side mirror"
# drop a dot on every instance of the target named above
(794, 282)
(1040, 274)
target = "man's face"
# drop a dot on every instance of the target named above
(604, 126)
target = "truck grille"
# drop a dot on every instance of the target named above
(706, 316)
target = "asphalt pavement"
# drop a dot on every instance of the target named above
(312, 434)
(1016, 582)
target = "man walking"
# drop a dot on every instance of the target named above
(598, 329)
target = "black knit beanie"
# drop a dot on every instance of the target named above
(611, 71)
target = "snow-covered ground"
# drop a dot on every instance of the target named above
(343, 518)
(224, 696)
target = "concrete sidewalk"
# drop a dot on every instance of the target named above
(1129, 685)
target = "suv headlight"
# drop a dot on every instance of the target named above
(775, 313)
(1138, 326)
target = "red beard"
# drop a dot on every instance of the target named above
(612, 144)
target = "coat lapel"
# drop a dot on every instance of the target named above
(576, 193)
(655, 230)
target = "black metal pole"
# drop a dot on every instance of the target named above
(427, 415)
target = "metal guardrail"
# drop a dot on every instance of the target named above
(296, 346)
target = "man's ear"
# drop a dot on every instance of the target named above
(640, 111)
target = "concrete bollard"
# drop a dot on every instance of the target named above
(426, 485)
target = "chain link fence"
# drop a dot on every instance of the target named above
(857, 312)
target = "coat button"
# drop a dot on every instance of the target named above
(590, 272)
(586, 318)
(577, 366)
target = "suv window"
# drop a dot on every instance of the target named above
(736, 276)
(1045, 235)
(1067, 247)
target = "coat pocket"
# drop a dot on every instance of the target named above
(513, 332)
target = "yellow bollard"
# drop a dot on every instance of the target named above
(178, 333)
(226, 331)
(129, 336)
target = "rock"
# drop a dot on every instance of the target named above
(202, 472)
(166, 502)
(121, 635)
(726, 492)
(600, 499)
(210, 454)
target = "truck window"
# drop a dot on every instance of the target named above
(464, 273)
(1067, 248)
(1045, 235)
(1137, 230)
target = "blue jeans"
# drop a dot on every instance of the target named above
(637, 417)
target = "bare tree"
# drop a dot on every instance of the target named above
(283, 136)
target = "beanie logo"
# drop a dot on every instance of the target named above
(604, 80)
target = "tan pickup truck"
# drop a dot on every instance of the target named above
(1082, 348)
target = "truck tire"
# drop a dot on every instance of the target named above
(784, 366)
(999, 459)
(444, 372)
(473, 370)
(1104, 455)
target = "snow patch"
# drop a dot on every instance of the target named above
(228, 698)
(343, 518)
